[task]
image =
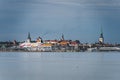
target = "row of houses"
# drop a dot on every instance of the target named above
(61, 45)
(50, 45)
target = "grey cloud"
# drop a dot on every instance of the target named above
(99, 3)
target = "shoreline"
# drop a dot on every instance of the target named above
(57, 51)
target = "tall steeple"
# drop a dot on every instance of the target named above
(29, 38)
(62, 37)
(101, 38)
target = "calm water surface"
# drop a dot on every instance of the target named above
(59, 66)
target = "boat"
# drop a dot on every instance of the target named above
(109, 49)
(92, 49)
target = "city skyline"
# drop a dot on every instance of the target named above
(77, 20)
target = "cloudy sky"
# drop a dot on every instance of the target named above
(76, 19)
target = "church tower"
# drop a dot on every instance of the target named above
(101, 38)
(39, 40)
(29, 38)
(62, 37)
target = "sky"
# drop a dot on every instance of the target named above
(76, 19)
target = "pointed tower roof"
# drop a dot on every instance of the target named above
(62, 37)
(29, 35)
(101, 35)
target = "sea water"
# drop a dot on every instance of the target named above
(59, 66)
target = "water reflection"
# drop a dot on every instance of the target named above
(59, 66)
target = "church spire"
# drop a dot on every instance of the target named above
(29, 38)
(29, 35)
(101, 35)
(101, 38)
(101, 30)
(62, 37)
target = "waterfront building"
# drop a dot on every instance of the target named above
(54, 42)
(45, 47)
(73, 43)
(64, 42)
